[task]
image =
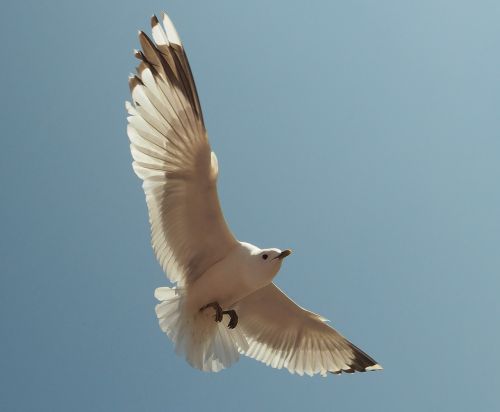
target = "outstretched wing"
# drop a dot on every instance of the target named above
(283, 335)
(172, 156)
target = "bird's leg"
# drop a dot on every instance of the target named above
(234, 318)
(216, 307)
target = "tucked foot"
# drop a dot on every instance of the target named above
(217, 308)
(234, 318)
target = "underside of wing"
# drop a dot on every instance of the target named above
(281, 334)
(172, 156)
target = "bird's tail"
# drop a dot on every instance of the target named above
(206, 344)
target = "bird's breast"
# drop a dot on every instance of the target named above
(226, 282)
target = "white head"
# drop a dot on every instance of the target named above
(264, 263)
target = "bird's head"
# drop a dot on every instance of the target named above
(266, 261)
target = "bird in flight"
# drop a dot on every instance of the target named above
(224, 302)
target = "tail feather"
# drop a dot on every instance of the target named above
(206, 345)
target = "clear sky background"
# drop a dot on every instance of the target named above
(365, 135)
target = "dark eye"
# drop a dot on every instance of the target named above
(264, 256)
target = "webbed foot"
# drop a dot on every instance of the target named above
(218, 310)
(234, 318)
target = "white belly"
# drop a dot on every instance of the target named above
(219, 286)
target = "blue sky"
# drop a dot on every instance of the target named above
(364, 135)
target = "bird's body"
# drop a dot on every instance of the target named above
(217, 277)
(234, 277)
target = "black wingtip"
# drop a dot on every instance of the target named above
(361, 362)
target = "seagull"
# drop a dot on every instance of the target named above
(224, 303)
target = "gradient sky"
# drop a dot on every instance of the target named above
(365, 135)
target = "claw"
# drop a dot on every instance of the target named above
(234, 318)
(233, 321)
(218, 310)
(218, 314)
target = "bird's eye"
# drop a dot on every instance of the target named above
(264, 256)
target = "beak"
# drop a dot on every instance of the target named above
(283, 254)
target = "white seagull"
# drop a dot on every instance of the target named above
(215, 274)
